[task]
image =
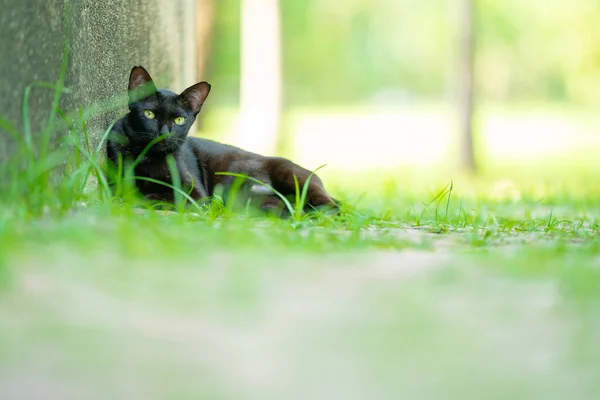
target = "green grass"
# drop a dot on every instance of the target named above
(426, 286)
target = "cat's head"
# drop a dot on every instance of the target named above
(161, 113)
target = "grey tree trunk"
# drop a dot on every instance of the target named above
(466, 84)
(107, 38)
(260, 97)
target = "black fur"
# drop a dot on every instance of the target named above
(152, 116)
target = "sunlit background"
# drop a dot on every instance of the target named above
(375, 84)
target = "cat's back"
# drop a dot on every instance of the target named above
(217, 156)
(213, 148)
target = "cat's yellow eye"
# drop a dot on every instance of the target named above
(180, 120)
(149, 114)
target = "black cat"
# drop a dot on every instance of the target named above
(166, 117)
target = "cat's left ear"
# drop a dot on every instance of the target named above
(194, 96)
(141, 84)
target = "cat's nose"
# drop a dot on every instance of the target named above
(164, 129)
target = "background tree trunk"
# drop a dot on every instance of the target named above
(205, 14)
(466, 84)
(260, 102)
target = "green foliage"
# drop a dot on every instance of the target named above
(348, 52)
(539, 50)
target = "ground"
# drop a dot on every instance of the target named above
(477, 290)
(428, 285)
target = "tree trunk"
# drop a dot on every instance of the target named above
(466, 84)
(205, 12)
(260, 97)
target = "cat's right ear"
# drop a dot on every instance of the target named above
(140, 84)
(194, 96)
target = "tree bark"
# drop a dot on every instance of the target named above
(260, 86)
(466, 84)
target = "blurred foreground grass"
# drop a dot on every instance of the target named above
(407, 296)
(431, 285)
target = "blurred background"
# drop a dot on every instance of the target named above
(504, 87)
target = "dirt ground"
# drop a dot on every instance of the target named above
(378, 325)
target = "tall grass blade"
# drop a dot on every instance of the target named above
(288, 205)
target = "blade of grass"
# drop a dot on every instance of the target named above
(29, 146)
(298, 209)
(449, 196)
(147, 149)
(306, 184)
(49, 128)
(231, 197)
(101, 178)
(104, 138)
(26, 124)
(282, 197)
(184, 194)
(176, 181)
